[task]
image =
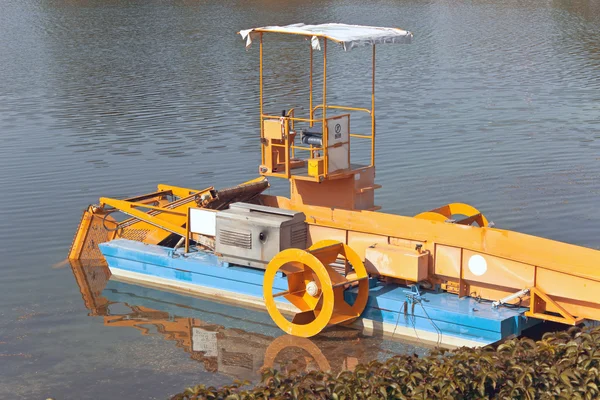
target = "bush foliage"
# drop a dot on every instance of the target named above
(562, 365)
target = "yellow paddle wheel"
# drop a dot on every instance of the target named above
(316, 287)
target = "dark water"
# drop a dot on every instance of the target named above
(495, 103)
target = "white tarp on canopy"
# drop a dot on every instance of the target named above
(350, 36)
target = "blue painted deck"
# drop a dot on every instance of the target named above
(445, 312)
(388, 304)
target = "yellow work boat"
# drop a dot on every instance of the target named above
(324, 255)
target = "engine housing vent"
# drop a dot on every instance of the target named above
(235, 239)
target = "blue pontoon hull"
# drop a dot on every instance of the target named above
(438, 318)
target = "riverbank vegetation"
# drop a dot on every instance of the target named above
(562, 365)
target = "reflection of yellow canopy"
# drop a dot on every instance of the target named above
(349, 36)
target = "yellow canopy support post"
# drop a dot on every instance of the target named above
(324, 123)
(373, 112)
(260, 100)
(310, 89)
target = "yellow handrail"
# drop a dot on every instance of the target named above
(307, 148)
(342, 108)
(325, 133)
(291, 114)
(290, 148)
(267, 116)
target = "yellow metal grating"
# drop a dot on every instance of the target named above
(96, 234)
(135, 234)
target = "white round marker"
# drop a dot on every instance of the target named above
(477, 265)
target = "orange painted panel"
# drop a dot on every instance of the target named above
(360, 241)
(364, 178)
(397, 262)
(568, 286)
(364, 182)
(497, 271)
(317, 233)
(447, 261)
(273, 129)
(364, 201)
(338, 193)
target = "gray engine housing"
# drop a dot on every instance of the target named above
(251, 235)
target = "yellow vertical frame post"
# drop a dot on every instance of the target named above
(373, 112)
(324, 125)
(260, 99)
(187, 232)
(310, 88)
(287, 149)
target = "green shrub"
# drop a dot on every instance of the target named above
(562, 365)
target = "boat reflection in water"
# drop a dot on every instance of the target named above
(227, 339)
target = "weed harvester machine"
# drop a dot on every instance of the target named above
(325, 255)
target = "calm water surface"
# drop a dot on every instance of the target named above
(495, 103)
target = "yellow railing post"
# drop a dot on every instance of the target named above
(373, 112)
(292, 114)
(287, 147)
(324, 124)
(187, 232)
(310, 87)
(260, 96)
